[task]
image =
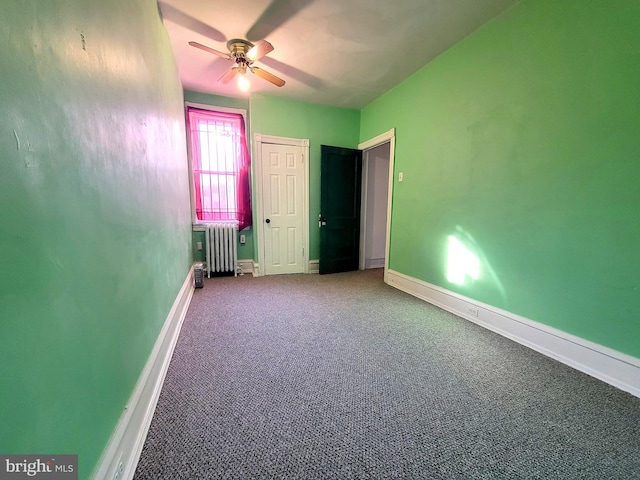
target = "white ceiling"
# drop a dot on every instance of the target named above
(343, 53)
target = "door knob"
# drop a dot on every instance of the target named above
(268, 220)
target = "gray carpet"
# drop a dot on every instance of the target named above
(343, 377)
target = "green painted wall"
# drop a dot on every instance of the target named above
(322, 125)
(216, 100)
(523, 144)
(94, 218)
(198, 255)
(245, 252)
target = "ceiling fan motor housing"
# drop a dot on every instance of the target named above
(239, 47)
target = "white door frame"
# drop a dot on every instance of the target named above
(390, 137)
(259, 140)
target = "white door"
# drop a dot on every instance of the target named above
(283, 202)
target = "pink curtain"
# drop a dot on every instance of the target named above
(244, 184)
(213, 176)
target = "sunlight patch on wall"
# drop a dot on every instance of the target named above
(461, 262)
(467, 266)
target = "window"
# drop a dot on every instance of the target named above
(220, 164)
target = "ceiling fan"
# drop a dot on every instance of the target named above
(243, 53)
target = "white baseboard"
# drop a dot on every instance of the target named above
(123, 450)
(314, 266)
(373, 263)
(256, 269)
(610, 366)
(247, 267)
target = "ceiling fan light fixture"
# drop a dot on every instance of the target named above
(243, 82)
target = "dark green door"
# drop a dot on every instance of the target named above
(340, 182)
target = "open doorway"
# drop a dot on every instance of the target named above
(377, 188)
(375, 195)
(355, 225)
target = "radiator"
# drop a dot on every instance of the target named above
(222, 248)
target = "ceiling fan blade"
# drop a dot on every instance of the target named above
(226, 78)
(259, 50)
(210, 50)
(278, 82)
